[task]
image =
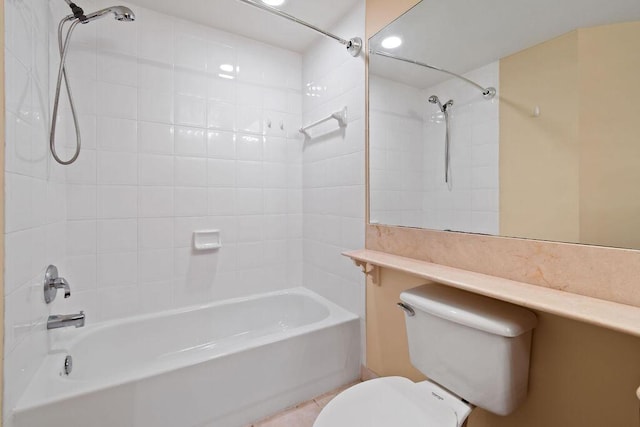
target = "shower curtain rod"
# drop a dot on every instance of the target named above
(487, 92)
(354, 45)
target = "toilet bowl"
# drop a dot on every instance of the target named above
(467, 344)
(394, 402)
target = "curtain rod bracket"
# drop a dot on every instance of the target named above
(489, 93)
(354, 46)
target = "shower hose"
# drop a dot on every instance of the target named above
(63, 47)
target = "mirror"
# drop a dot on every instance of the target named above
(554, 155)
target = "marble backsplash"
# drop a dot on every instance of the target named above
(599, 272)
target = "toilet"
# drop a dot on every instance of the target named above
(474, 350)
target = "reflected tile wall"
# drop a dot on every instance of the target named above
(473, 203)
(407, 155)
(396, 151)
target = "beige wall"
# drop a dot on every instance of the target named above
(540, 156)
(581, 375)
(2, 138)
(609, 129)
(382, 12)
(572, 172)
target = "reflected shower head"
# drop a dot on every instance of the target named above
(121, 13)
(435, 100)
(443, 108)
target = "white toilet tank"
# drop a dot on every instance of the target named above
(477, 347)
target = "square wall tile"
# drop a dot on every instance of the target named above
(190, 201)
(123, 264)
(117, 168)
(119, 101)
(155, 233)
(190, 141)
(117, 134)
(190, 172)
(155, 138)
(156, 202)
(117, 202)
(117, 235)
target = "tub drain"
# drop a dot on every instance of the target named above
(68, 365)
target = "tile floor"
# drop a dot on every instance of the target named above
(303, 415)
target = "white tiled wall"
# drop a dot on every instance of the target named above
(396, 113)
(334, 189)
(35, 206)
(175, 144)
(407, 155)
(473, 203)
(171, 144)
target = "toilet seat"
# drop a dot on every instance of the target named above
(394, 402)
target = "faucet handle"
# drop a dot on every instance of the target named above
(52, 282)
(61, 283)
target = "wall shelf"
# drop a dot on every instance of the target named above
(606, 314)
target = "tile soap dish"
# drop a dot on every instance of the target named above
(206, 240)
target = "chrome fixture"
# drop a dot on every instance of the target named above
(68, 365)
(53, 282)
(57, 321)
(354, 45)
(340, 116)
(407, 309)
(487, 92)
(121, 13)
(444, 109)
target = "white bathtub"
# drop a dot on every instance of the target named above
(224, 364)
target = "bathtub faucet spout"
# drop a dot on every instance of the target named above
(65, 320)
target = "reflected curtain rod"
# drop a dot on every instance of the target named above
(487, 92)
(354, 45)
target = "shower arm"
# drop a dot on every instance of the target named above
(354, 45)
(487, 92)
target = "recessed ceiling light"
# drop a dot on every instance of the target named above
(273, 2)
(391, 42)
(227, 67)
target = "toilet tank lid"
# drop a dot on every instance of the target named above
(472, 310)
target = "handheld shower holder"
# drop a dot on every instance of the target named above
(77, 11)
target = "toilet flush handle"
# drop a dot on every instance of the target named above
(407, 309)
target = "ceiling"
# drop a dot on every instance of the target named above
(461, 35)
(248, 21)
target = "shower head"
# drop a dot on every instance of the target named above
(435, 100)
(443, 108)
(121, 13)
